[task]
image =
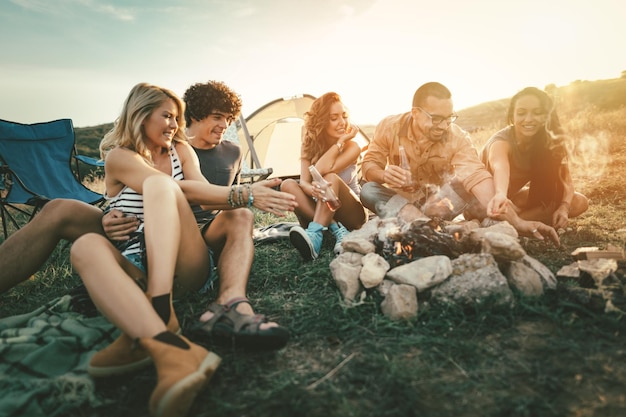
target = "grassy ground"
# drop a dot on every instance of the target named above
(544, 357)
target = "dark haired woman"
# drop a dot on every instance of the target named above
(528, 160)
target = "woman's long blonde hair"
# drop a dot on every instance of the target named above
(127, 132)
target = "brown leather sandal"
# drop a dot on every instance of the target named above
(229, 327)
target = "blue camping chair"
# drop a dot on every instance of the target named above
(35, 167)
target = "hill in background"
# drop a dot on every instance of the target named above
(88, 139)
(603, 95)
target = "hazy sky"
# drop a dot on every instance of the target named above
(80, 58)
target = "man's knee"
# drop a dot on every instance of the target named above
(475, 210)
(236, 220)
(61, 209)
(289, 186)
(64, 215)
(243, 217)
(367, 194)
(373, 196)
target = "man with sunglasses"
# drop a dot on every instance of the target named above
(445, 176)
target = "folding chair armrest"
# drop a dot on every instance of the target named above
(261, 173)
(89, 160)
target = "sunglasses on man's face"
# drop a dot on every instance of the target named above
(437, 120)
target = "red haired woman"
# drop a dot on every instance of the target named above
(328, 145)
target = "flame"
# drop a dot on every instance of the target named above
(457, 236)
(406, 250)
(398, 248)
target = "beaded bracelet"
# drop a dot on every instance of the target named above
(250, 196)
(240, 200)
(236, 198)
(230, 196)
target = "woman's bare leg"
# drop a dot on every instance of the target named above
(351, 214)
(580, 204)
(174, 243)
(109, 278)
(306, 206)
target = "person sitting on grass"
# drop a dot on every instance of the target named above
(528, 160)
(150, 257)
(209, 109)
(327, 144)
(439, 154)
(66, 219)
(151, 172)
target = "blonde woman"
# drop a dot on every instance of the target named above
(151, 172)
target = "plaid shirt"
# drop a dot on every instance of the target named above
(453, 156)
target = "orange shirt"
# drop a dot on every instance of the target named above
(437, 164)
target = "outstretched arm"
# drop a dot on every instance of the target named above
(498, 155)
(560, 217)
(216, 197)
(483, 192)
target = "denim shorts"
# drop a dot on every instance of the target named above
(208, 284)
(140, 261)
(203, 224)
(137, 260)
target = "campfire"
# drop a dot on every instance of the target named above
(410, 258)
(421, 238)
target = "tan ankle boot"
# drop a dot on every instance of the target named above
(181, 373)
(123, 356)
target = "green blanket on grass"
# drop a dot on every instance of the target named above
(43, 360)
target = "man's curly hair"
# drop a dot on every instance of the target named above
(202, 99)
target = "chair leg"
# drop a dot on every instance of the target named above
(4, 223)
(6, 216)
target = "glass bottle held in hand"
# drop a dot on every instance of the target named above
(331, 200)
(404, 164)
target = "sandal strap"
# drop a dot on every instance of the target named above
(218, 311)
(228, 312)
(234, 302)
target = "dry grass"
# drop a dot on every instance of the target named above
(95, 183)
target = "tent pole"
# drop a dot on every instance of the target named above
(246, 133)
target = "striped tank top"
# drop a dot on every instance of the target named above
(130, 202)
